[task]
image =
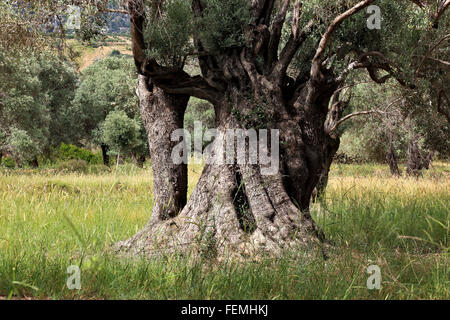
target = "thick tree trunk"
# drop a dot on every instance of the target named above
(239, 209)
(331, 148)
(162, 115)
(105, 154)
(235, 210)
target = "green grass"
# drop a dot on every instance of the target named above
(49, 221)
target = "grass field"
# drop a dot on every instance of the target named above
(49, 221)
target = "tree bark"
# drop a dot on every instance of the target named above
(331, 148)
(162, 115)
(105, 154)
(235, 210)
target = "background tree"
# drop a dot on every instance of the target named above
(120, 133)
(37, 89)
(106, 86)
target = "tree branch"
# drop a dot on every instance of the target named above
(326, 38)
(431, 51)
(360, 113)
(352, 115)
(262, 11)
(289, 51)
(137, 18)
(275, 34)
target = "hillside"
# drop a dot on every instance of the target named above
(85, 55)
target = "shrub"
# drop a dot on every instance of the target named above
(70, 152)
(7, 162)
(22, 146)
(120, 132)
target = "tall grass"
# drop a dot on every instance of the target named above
(51, 221)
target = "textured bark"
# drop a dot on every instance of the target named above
(235, 211)
(332, 143)
(427, 159)
(331, 148)
(162, 115)
(213, 224)
(105, 154)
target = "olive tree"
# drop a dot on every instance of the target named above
(263, 63)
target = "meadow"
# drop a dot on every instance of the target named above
(50, 220)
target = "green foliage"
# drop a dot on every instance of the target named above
(70, 152)
(107, 86)
(223, 23)
(403, 27)
(115, 53)
(60, 80)
(169, 34)
(199, 110)
(37, 90)
(93, 24)
(7, 162)
(21, 146)
(120, 132)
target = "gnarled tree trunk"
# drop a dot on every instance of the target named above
(239, 209)
(236, 210)
(162, 115)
